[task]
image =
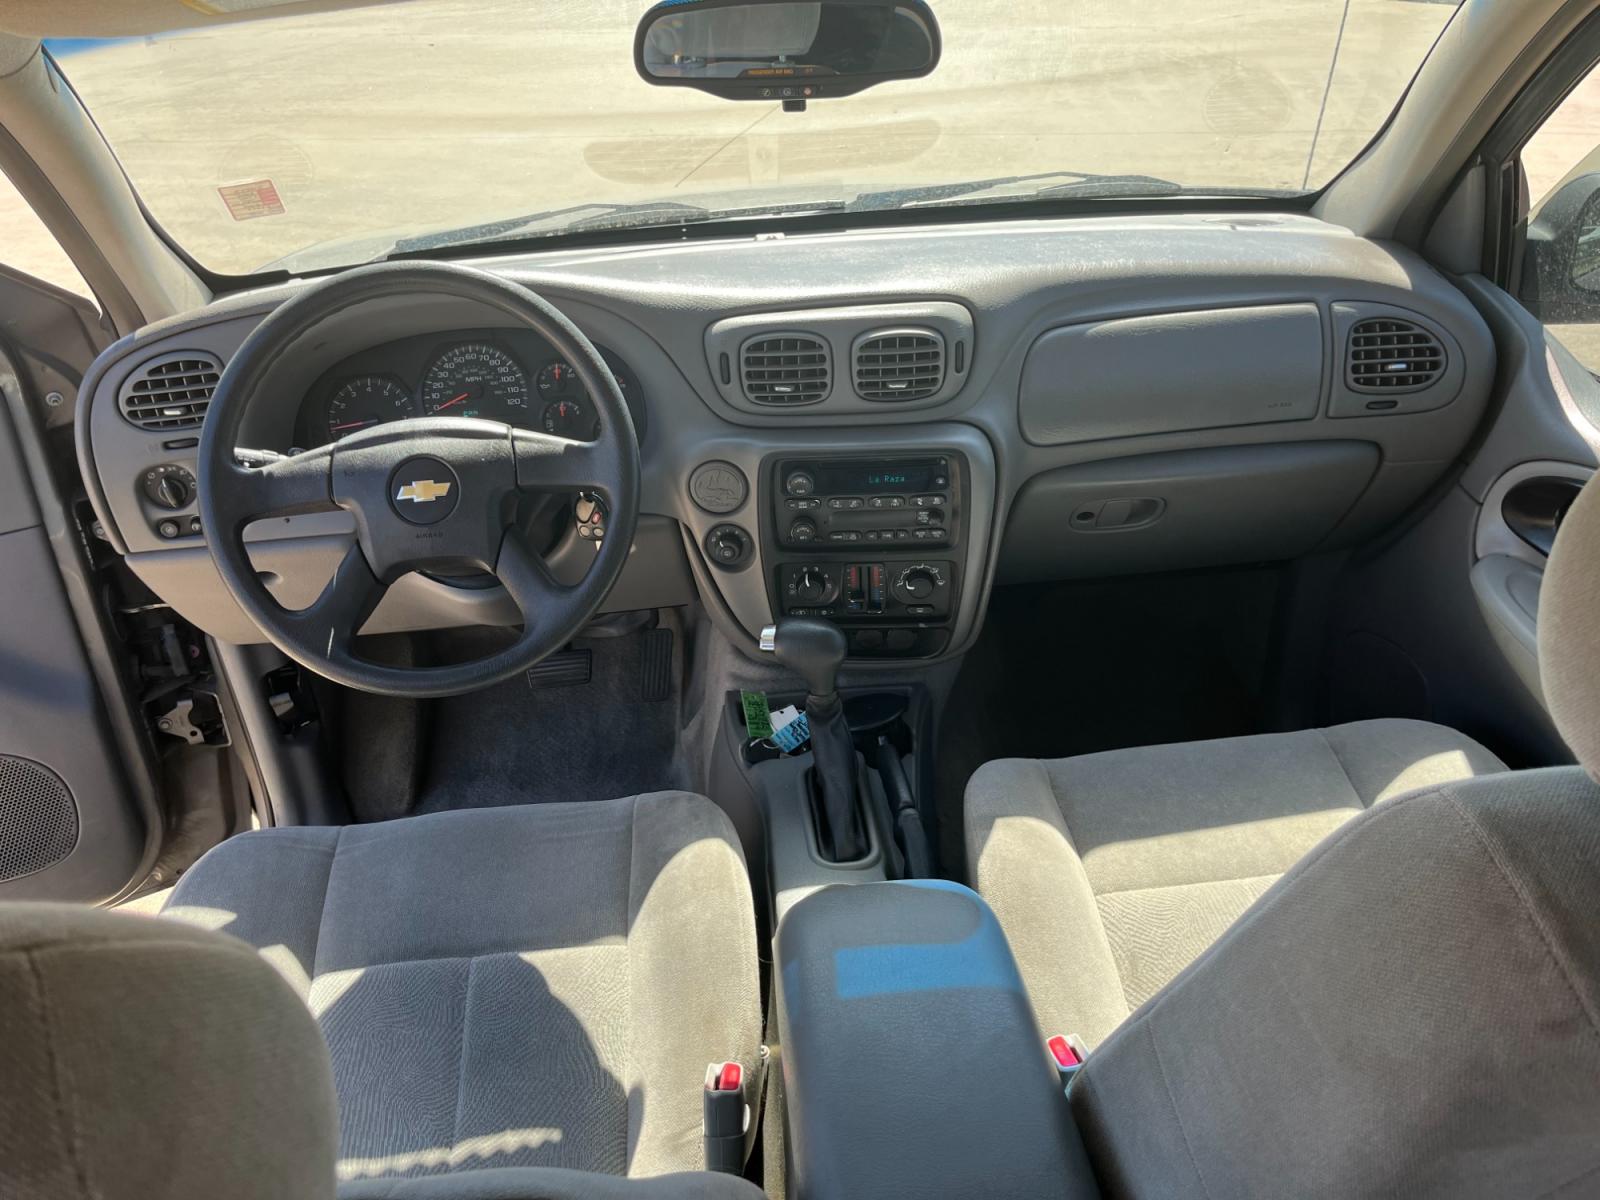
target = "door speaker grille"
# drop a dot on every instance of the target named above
(38, 818)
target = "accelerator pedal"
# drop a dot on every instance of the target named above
(655, 665)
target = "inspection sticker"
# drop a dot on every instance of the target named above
(247, 201)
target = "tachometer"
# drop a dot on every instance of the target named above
(476, 379)
(365, 401)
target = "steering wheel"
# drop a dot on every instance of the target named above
(430, 493)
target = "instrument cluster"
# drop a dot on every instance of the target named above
(505, 375)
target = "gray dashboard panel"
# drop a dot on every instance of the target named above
(1175, 371)
(654, 304)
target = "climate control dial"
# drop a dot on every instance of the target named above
(918, 583)
(813, 585)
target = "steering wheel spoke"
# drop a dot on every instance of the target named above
(333, 619)
(551, 464)
(538, 595)
(281, 487)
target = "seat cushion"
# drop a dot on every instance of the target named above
(539, 986)
(1111, 872)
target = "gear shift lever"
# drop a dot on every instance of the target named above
(814, 650)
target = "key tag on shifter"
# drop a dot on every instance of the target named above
(790, 729)
(757, 717)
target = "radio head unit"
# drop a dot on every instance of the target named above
(845, 502)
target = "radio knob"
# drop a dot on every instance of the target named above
(813, 585)
(804, 529)
(800, 483)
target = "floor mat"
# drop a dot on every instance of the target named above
(1073, 668)
(529, 741)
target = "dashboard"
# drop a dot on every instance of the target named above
(872, 426)
(507, 375)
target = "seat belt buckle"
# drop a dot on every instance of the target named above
(725, 1118)
(1068, 1053)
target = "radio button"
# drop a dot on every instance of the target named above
(800, 483)
(845, 535)
(927, 501)
(887, 502)
(804, 529)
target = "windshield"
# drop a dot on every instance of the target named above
(317, 141)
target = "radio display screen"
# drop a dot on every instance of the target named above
(867, 478)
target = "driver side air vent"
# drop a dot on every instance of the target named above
(1388, 355)
(785, 369)
(899, 364)
(170, 392)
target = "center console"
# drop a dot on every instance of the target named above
(912, 1062)
(872, 543)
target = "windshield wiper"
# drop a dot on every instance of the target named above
(981, 191)
(534, 227)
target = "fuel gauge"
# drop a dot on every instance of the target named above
(564, 418)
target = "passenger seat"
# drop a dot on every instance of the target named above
(1111, 872)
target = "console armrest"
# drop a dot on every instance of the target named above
(912, 1061)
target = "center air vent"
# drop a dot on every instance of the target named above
(170, 392)
(899, 364)
(1388, 355)
(785, 369)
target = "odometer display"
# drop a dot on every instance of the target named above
(477, 379)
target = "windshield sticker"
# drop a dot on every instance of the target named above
(247, 201)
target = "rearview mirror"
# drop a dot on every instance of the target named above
(783, 49)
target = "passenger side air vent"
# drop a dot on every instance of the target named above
(1388, 355)
(895, 365)
(785, 369)
(170, 392)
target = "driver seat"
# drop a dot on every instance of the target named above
(537, 986)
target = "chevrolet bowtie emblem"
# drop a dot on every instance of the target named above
(423, 491)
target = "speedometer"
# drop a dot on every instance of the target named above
(477, 379)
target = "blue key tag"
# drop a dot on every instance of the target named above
(790, 730)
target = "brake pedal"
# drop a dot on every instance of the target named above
(569, 668)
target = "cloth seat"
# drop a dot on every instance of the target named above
(540, 986)
(1112, 872)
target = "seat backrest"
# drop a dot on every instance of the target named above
(145, 1058)
(1414, 1009)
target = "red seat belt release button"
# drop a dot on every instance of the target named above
(1068, 1053)
(726, 1117)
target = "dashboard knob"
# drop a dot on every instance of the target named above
(169, 487)
(813, 586)
(171, 492)
(800, 483)
(804, 529)
(917, 583)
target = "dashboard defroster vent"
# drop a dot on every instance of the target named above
(1389, 355)
(896, 365)
(785, 369)
(170, 392)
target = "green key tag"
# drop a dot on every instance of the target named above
(757, 716)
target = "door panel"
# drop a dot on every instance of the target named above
(78, 815)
